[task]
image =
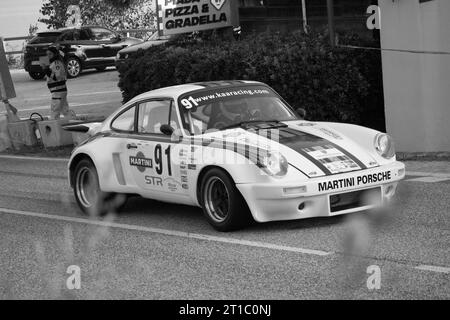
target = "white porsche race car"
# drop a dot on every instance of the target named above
(236, 149)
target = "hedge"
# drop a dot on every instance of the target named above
(332, 84)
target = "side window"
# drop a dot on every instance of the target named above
(67, 36)
(100, 34)
(202, 119)
(154, 114)
(125, 122)
(84, 34)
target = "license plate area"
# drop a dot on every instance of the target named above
(355, 199)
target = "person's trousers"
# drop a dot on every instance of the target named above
(60, 106)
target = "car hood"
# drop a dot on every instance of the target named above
(313, 148)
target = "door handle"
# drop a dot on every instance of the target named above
(132, 146)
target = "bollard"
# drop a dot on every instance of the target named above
(53, 135)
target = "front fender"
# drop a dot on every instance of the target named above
(363, 136)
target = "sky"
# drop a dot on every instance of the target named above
(17, 15)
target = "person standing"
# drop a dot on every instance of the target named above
(56, 82)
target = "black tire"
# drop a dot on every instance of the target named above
(92, 201)
(229, 213)
(37, 75)
(100, 69)
(73, 67)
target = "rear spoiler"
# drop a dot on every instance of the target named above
(88, 127)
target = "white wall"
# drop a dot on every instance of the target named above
(417, 86)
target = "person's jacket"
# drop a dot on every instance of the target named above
(56, 76)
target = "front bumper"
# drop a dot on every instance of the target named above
(275, 202)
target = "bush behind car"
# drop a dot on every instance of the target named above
(332, 84)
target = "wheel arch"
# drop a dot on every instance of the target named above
(79, 157)
(202, 174)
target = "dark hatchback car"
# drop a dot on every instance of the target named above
(86, 47)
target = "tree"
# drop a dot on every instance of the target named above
(114, 14)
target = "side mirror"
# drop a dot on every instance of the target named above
(117, 38)
(167, 129)
(301, 112)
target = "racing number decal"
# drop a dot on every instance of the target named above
(159, 166)
(189, 103)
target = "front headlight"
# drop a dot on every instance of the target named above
(384, 145)
(274, 164)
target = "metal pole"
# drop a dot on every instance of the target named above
(330, 10)
(305, 21)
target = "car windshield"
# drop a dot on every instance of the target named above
(222, 108)
(47, 37)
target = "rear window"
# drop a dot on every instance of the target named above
(48, 37)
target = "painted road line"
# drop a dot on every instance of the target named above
(257, 244)
(428, 174)
(71, 105)
(428, 179)
(167, 232)
(433, 268)
(31, 158)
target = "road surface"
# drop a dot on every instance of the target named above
(154, 250)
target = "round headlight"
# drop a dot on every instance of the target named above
(384, 145)
(274, 164)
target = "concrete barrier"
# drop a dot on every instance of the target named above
(53, 135)
(5, 141)
(79, 137)
(23, 133)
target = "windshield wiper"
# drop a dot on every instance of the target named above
(269, 124)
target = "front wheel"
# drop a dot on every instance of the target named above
(73, 67)
(223, 205)
(88, 195)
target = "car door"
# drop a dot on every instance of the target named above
(151, 154)
(84, 42)
(105, 39)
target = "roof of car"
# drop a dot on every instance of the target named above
(71, 28)
(176, 91)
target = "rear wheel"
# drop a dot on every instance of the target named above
(88, 195)
(73, 67)
(223, 205)
(37, 75)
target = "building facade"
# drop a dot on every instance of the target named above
(286, 15)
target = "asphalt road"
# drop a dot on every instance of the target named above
(154, 250)
(93, 93)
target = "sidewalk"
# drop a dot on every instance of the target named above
(437, 167)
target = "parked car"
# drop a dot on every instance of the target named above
(236, 149)
(154, 40)
(86, 47)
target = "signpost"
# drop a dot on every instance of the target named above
(7, 90)
(185, 16)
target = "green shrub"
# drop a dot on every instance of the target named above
(337, 84)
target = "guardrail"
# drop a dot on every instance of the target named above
(122, 31)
